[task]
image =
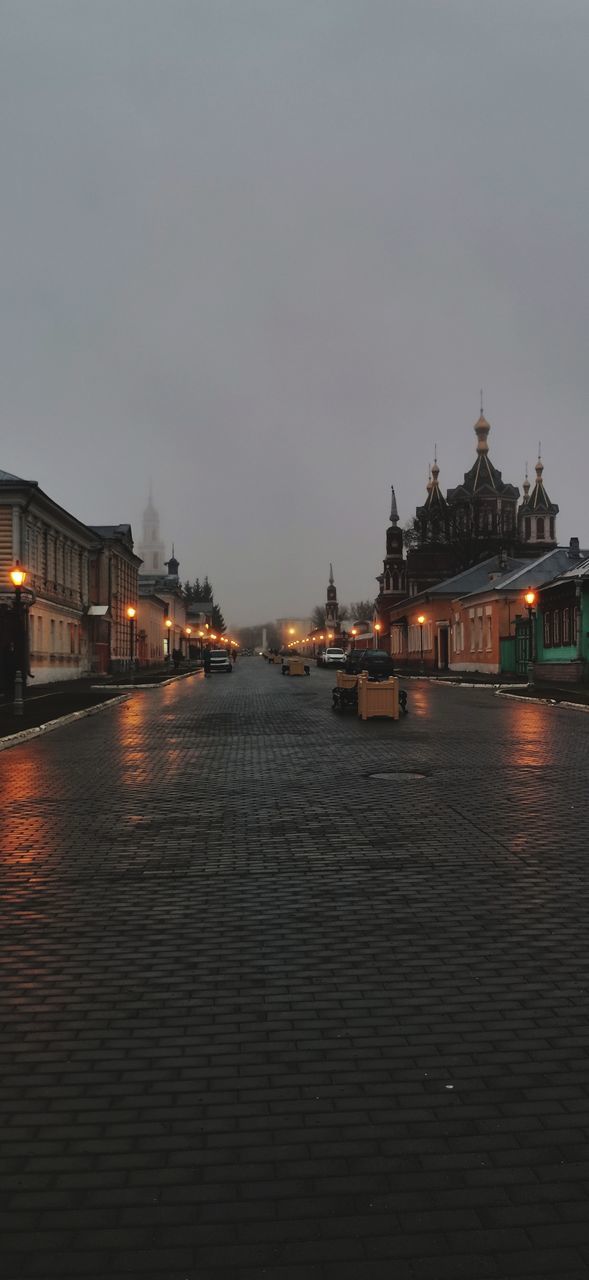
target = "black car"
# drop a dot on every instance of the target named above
(377, 662)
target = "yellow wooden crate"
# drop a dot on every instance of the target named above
(378, 698)
(345, 681)
(296, 666)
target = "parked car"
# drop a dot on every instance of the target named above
(377, 662)
(220, 660)
(332, 657)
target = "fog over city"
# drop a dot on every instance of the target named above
(265, 253)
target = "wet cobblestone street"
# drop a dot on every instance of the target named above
(266, 1015)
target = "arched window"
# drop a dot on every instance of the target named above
(527, 528)
(540, 528)
(387, 582)
(395, 582)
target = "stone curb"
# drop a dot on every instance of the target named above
(161, 684)
(16, 738)
(546, 702)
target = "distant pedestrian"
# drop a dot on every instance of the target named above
(234, 656)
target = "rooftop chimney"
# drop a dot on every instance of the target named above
(574, 553)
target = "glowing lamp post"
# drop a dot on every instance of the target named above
(377, 631)
(132, 614)
(18, 577)
(421, 621)
(168, 636)
(530, 599)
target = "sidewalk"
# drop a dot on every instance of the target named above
(46, 702)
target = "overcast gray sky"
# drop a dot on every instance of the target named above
(267, 251)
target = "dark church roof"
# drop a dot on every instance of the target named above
(537, 502)
(483, 479)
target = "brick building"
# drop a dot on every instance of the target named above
(114, 571)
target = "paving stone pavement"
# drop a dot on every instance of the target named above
(263, 1015)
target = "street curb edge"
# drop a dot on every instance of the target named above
(26, 734)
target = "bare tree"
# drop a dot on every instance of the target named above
(361, 610)
(318, 617)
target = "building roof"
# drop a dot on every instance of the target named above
(478, 578)
(531, 573)
(537, 502)
(580, 570)
(6, 477)
(111, 530)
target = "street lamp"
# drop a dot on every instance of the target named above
(168, 625)
(18, 577)
(530, 599)
(132, 614)
(421, 620)
(377, 630)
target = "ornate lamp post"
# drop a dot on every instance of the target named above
(132, 614)
(421, 620)
(18, 577)
(530, 599)
(168, 625)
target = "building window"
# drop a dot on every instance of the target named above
(547, 630)
(566, 626)
(527, 528)
(540, 528)
(556, 627)
(52, 636)
(488, 630)
(576, 627)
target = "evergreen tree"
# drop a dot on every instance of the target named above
(218, 620)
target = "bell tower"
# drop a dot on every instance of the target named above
(391, 582)
(331, 605)
(151, 548)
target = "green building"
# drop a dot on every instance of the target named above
(562, 625)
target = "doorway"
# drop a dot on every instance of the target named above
(444, 650)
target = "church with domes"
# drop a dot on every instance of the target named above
(480, 517)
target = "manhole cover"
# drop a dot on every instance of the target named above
(397, 775)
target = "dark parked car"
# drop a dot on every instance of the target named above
(377, 662)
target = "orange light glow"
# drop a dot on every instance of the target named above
(377, 626)
(213, 636)
(168, 622)
(131, 612)
(530, 598)
(18, 576)
(189, 631)
(421, 619)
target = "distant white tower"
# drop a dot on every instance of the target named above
(151, 548)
